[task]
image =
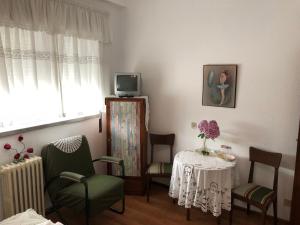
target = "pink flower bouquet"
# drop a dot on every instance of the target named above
(208, 130)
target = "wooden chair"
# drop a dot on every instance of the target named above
(258, 195)
(159, 169)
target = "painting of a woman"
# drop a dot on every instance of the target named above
(222, 86)
(219, 85)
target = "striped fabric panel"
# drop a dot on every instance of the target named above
(254, 192)
(160, 168)
(260, 194)
(251, 190)
(243, 189)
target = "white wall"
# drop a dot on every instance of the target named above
(170, 40)
(38, 138)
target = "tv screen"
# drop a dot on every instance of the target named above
(127, 83)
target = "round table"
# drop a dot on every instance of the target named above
(202, 181)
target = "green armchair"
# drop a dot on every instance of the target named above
(71, 180)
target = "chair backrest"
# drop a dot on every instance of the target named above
(162, 139)
(69, 154)
(268, 158)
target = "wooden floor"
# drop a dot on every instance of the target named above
(160, 211)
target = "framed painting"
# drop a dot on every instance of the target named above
(219, 85)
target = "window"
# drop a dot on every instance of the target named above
(45, 77)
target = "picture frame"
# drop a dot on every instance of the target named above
(219, 85)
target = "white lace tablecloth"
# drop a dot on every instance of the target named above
(202, 181)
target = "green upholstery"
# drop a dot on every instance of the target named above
(160, 168)
(103, 192)
(254, 192)
(56, 161)
(70, 177)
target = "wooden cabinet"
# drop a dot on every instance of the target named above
(295, 215)
(127, 139)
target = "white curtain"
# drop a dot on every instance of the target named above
(55, 17)
(79, 69)
(44, 77)
(49, 60)
(28, 77)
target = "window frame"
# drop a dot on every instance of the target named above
(38, 126)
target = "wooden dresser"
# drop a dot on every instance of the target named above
(295, 212)
(127, 139)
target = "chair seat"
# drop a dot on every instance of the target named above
(254, 192)
(103, 191)
(160, 168)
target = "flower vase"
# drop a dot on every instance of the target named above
(204, 149)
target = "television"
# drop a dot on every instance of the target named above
(127, 84)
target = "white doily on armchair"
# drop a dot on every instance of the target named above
(69, 144)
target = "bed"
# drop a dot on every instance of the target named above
(29, 217)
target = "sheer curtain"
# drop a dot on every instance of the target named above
(50, 65)
(79, 69)
(44, 77)
(29, 90)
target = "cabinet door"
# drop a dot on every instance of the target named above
(125, 136)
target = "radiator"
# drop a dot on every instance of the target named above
(22, 187)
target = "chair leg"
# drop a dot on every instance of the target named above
(174, 201)
(150, 182)
(188, 214)
(231, 211)
(123, 207)
(264, 217)
(56, 210)
(87, 218)
(219, 220)
(61, 217)
(87, 214)
(248, 209)
(148, 187)
(275, 211)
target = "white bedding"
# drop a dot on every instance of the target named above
(29, 217)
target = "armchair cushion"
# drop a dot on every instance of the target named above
(102, 191)
(160, 168)
(254, 192)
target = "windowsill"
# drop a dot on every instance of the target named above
(63, 121)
